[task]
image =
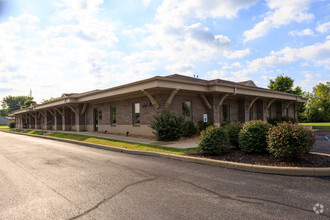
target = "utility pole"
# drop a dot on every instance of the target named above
(30, 93)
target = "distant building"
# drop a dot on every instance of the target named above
(4, 120)
(131, 107)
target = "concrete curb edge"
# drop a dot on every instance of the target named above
(290, 171)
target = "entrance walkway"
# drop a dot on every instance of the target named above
(189, 143)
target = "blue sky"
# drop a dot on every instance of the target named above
(61, 46)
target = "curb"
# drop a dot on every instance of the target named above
(289, 171)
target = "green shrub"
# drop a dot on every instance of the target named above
(188, 129)
(167, 126)
(214, 140)
(290, 141)
(252, 137)
(203, 125)
(275, 120)
(12, 124)
(233, 129)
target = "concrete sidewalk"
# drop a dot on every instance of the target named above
(175, 144)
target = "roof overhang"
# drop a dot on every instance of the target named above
(163, 83)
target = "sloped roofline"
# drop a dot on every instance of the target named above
(155, 82)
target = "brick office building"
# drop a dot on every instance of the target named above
(131, 107)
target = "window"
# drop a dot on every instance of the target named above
(100, 115)
(113, 115)
(136, 113)
(225, 112)
(269, 112)
(186, 109)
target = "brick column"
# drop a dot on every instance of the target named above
(295, 105)
(245, 110)
(36, 120)
(283, 110)
(80, 119)
(215, 116)
(44, 118)
(55, 120)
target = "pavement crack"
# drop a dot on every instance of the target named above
(112, 196)
(283, 204)
(133, 169)
(218, 194)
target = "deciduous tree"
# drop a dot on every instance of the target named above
(12, 103)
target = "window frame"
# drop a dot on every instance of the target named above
(134, 114)
(190, 109)
(113, 109)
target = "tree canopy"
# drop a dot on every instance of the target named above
(28, 103)
(284, 84)
(13, 103)
(50, 100)
(318, 107)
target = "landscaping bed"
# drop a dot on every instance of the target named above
(310, 160)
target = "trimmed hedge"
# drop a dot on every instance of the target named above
(167, 126)
(233, 129)
(252, 137)
(290, 141)
(214, 140)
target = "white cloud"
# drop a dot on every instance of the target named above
(309, 81)
(179, 40)
(181, 68)
(77, 9)
(54, 59)
(216, 74)
(237, 53)
(304, 32)
(290, 55)
(203, 35)
(146, 2)
(323, 28)
(325, 63)
(176, 12)
(282, 12)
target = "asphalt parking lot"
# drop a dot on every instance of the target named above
(45, 179)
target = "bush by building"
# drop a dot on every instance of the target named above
(188, 128)
(289, 141)
(214, 140)
(12, 124)
(275, 120)
(252, 137)
(167, 126)
(201, 125)
(233, 129)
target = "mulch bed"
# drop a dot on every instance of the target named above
(311, 160)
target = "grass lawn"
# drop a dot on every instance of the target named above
(123, 144)
(34, 132)
(5, 128)
(318, 125)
